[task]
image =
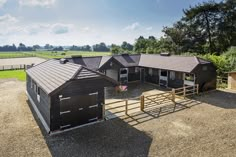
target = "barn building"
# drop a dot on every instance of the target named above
(66, 95)
(164, 70)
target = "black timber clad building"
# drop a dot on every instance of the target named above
(65, 95)
(169, 71)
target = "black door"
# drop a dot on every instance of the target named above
(78, 110)
(142, 75)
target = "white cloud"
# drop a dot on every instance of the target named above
(2, 2)
(60, 28)
(8, 24)
(86, 29)
(133, 26)
(7, 18)
(33, 3)
(148, 28)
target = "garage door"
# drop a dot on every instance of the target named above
(78, 110)
(112, 74)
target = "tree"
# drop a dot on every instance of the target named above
(36, 47)
(101, 47)
(140, 45)
(115, 49)
(126, 46)
(205, 17)
(48, 47)
(21, 47)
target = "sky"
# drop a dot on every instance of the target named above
(80, 22)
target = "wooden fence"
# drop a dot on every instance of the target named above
(146, 101)
(13, 67)
(222, 82)
(122, 106)
(186, 91)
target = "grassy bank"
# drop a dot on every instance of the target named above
(19, 74)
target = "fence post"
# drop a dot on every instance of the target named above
(184, 91)
(173, 94)
(126, 107)
(173, 98)
(142, 103)
(197, 89)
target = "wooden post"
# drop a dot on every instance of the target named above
(173, 94)
(197, 89)
(126, 107)
(173, 98)
(142, 103)
(184, 91)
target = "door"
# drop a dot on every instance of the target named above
(112, 73)
(78, 110)
(124, 75)
(163, 78)
(142, 75)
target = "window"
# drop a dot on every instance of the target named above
(189, 77)
(38, 94)
(150, 72)
(172, 75)
(163, 73)
(204, 68)
(123, 71)
(136, 69)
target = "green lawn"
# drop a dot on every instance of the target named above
(15, 55)
(19, 74)
(50, 54)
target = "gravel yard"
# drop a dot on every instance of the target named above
(206, 128)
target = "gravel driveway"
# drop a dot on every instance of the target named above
(204, 129)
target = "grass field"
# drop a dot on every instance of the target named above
(15, 55)
(19, 74)
(50, 54)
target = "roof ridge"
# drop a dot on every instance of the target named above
(197, 59)
(99, 73)
(77, 72)
(42, 62)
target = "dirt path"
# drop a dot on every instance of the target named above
(17, 61)
(19, 133)
(205, 129)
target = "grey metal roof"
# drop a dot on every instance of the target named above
(175, 63)
(90, 62)
(128, 60)
(104, 60)
(172, 62)
(51, 74)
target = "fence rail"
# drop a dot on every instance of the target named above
(149, 101)
(222, 82)
(13, 67)
(186, 90)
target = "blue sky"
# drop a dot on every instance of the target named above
(79, 22)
